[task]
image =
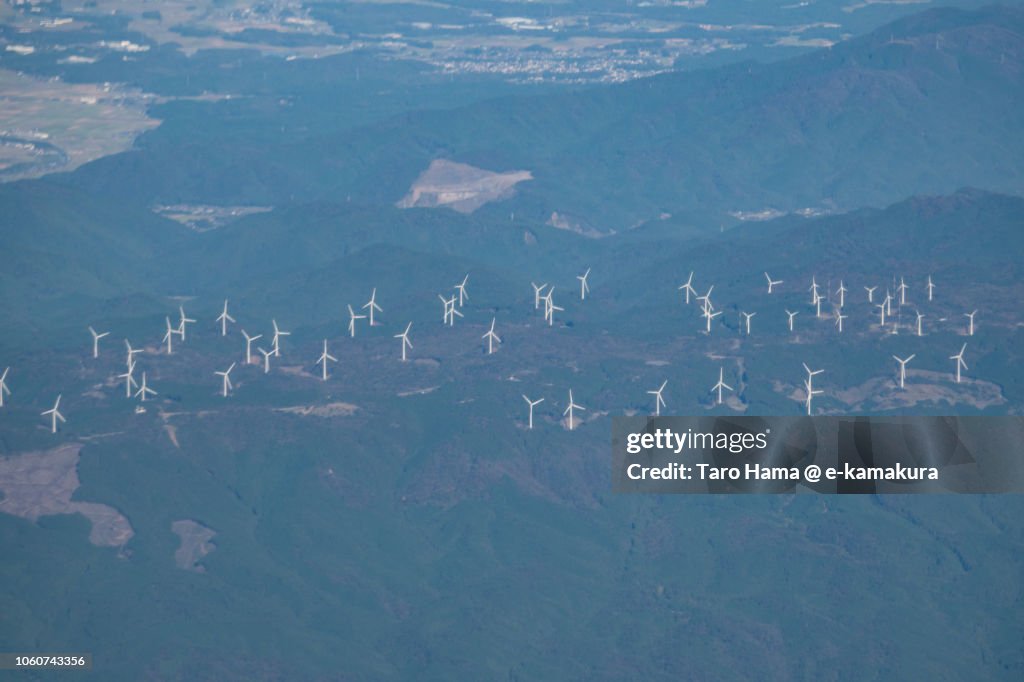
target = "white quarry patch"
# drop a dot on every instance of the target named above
(460, 187)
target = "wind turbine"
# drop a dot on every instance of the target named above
(532, 404)
(771, 283)
(144, 390)
(871, 293)
(721, 384)
(919, 318)
(462, 290)
(791, 316)
(323, 359)
(570, 408)
(226, 375)
(536, 294)
(888, 303)
(169, 334)
(584, 287)
(931, 287)
(659, 402)
(747, 317)
(881, 313)
(817, 303)
(248, 345)
(133, 351)
(839, 321)
(224, 318)
(708, 315)
(960, 364)
(842, 294)
(129, 380)
(267, 354)
(902, 289)
(352, 317)
(903, 367)
(814, 290)
(182, 321)
(810, 393)
(275, 341)
(970, 324)
(707, 299)
(405, 339)
(491, 338)
(96, 341)
(687, 287)
(372, 305)
(55, 414)
(550, 307)
(3, 386)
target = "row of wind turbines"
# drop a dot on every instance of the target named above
(542, 295)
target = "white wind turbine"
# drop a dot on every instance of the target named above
(491, 338)
(226, 384)
(352, 317)
(747, 317)
(324, 358)
(405, 339)
(791, 316)
(570, 408)
(181, 322)
(659, 402)
(687, 287)
(371, 305)
(55, 414)
(3, 386)
(960, 364)
(267, 354)
(129, 379)
(224, 318)
(707, 305)
(248, 345)
(881, 313)
(96, 341)
(462, 291)
(902, 290)
(536, 294)
(584, 287)
(919, 318)
(817, 304)
(842, 294)
(808, 384)
(708, 315)
(771, 283)
(888, 303)
(132, 352)
(931, 287)
(809, 393)
(970, 323)
(903, 367)
(721, 384)
(532, 404)
(550, 307)
(144, 390)
(275, 340)
(871, 293)
(169, 335)
(839, 321)
(815, 295)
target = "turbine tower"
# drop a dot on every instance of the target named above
(659, 402)
(960, 364)
(532, 404)
(970, 323)
(902, 290)
(791, 316)
(267, 354)
(881, 313)
(226, 375)
(491, 338)
(248, 345)
(747, 317)
(144, 390)
(842, 294)
(181, 322)
(536, 294)
(96, 341)
(903, 367)
(570, 408)
(839, 321)
(129, 380)
(919, 318)
(814, 290)
(462, 291)
(931, 287)
(323, 360)
(372, 305)
(55, 414)
(721, 384)
(406, 343)
(3, 386)
(771, 283)
(275, 341)
(224, 318)
(687, 287)
(808, 385)
(584, 287)
(352, 317)
(169, 334)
